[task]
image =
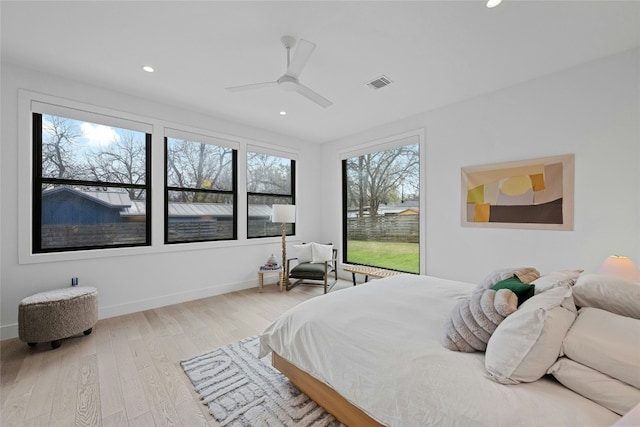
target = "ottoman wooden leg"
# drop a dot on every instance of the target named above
(88, 331)
(56, 343)
(32, 344)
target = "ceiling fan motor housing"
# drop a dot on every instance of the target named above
(288, 41)
(288, 83)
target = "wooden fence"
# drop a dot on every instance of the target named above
(388, 228)
(87, 235)
(200, 230)
(106, 234)
(400, 228)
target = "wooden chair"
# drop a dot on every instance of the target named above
(308, 273)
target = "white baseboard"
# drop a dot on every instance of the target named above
(151, 303)
(11, 331)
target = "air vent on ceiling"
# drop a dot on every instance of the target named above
(380, 82)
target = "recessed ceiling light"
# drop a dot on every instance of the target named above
(148, 68)
(493, 3)
(283, 113)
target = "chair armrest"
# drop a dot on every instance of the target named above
(289, 263)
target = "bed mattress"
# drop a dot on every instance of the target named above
(378, 345)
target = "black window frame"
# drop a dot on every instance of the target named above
(292, 196)
(233, 192)
(39, 180)
(345, 220)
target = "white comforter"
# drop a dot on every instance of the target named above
(378, 345)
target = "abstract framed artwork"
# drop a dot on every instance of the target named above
(535, 194)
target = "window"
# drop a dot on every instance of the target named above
(91, 185)
(270, 180)
(200, 198)
(381, 195)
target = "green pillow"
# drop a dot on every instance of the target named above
(522, 290)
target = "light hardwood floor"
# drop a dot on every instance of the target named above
(127, 372)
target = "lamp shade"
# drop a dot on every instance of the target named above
(283, 213)
(621, 267)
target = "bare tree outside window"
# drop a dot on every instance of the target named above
(382, 208)
(268, 174)
(198, 165)
(122, 161)
(59, 140)
(382, 177)
(83, 151)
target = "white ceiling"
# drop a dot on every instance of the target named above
(436, 52)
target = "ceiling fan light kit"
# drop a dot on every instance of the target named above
(289, 80)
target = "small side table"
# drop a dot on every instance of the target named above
(278, 271)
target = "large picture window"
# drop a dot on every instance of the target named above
(381, 207)
(200, 200)
(91, 185)
(270, 180)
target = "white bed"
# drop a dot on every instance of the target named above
(378, 346)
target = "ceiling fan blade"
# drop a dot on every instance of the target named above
(252, 86)
(313, 96)
(300, 57)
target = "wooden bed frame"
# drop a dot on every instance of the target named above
(323, 395)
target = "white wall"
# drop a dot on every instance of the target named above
(592, 111)
(139, 278)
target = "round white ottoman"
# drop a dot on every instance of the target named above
(54, 315)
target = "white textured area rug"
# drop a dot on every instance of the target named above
(242, 390)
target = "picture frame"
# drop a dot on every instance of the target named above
(525, 194)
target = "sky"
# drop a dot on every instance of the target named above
(93, 135)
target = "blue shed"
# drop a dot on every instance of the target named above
(65, 205)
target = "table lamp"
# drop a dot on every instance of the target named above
(621, 267)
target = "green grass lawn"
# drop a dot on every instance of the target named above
(393, 255)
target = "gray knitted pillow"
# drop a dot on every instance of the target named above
(473, 320)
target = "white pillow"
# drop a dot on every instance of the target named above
(606, 342)
(321, 253)
(555, 279)
(609, 392)
(528, 342)
(608, 293)
(304, 252)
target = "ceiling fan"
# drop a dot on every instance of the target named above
(289, 80)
